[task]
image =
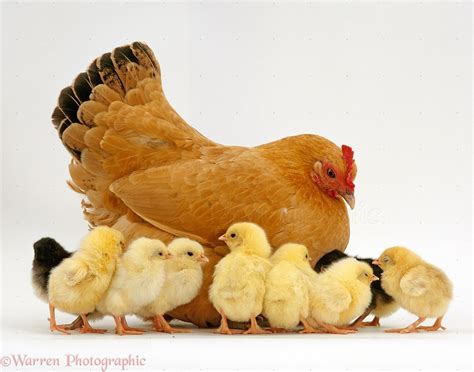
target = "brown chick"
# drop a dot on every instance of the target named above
(417, 286)
(143, 168)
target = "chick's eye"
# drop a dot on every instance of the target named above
(233, 235)
(161, 253)
(330, 172)
(367, 275)
(190, 254)
(306, 256)
(385, 259)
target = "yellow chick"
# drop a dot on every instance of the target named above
(136, 283)
(286, 301)
(183, 282)
(238, 285)
(339, 294)
(79, 282)
(416, 285)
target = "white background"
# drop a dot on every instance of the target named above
(392, 80)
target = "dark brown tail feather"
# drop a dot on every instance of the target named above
(109, 69)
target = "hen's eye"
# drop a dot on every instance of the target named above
(233, 235)
(330, 172)
(190, 254)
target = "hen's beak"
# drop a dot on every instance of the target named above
(223, 238)
(376, 262)
(203, 258)
(348, 196)
(374, 278)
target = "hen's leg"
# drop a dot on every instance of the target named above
(409, 329)
(437, 325)
(52, 322)
(168, 329)
(87, 328)
(127, 328)
(255, 329)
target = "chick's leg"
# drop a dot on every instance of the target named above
(307, 327)
(224, 327)
(335, 330)
(76, 324)
(127, 328)
(359, 322)
(437, 325)
(87, 328)
(52, 322)
(255, 329)
(373, 323)
(409, 329)
(168, 329)
(120, 329)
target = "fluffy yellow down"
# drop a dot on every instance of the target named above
(419, 287)
(79, 282)
(183, 278)
(138, 279)
(286, 299)
(238, 285)
(341, 293)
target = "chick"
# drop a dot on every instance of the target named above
(79, 282)
(382, 305)
(340, 293)
(238, 285)
(183, 282)
(419, 287)
(136, 283)
(48, 254)
(286, 301)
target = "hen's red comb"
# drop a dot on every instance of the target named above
(348, 156)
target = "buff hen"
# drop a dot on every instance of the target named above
(146, 172)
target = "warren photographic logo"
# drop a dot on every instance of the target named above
(72, 360)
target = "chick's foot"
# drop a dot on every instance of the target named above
(437, 325)
(255, 328)
(374, 323)
(412, 328)
(87, 328)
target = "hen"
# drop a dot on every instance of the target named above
(146, 172)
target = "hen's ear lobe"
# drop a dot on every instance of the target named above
(318, 166)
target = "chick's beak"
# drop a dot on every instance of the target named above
(203, 258)
(374, 278)
(349, 197)
(168, 256)
(223, 238)
(376, 262)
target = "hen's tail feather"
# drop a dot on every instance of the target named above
(115, 119)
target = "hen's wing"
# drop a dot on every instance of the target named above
(115, 119)
(201, 198)
(416, 282)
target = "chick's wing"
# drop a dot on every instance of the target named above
(416, 282)
(74, 272)
(335, 296)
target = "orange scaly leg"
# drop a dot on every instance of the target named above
(409, 329)
(359, 322)
(255, 329)
(87, 328)
(168, 329)
(373, 323)
(127, 328)
(307, 327)
(224, 327)
(335, 330)
(52, 322)
(120, 329)
(437, 325)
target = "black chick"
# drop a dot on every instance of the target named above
(48, 254)
(381, 305)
